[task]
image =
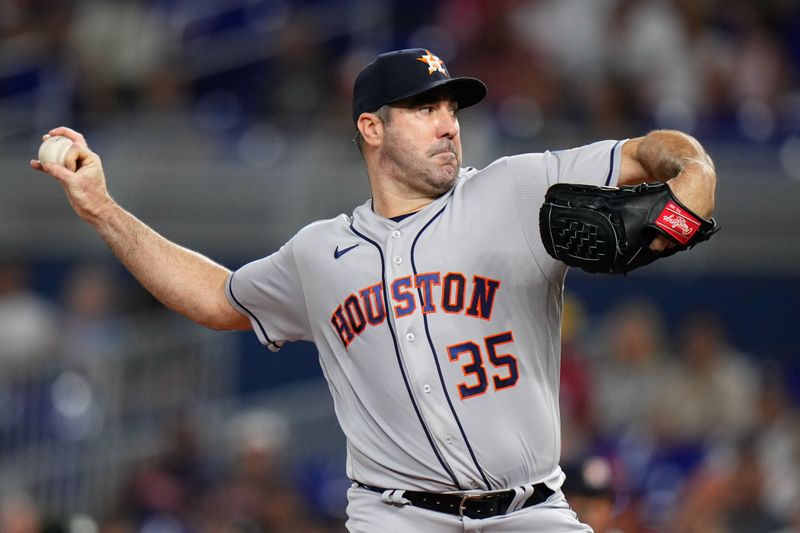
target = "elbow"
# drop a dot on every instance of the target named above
(230, 326)
(221, 318)
(236, 322)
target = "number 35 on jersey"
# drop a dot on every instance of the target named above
(434, 292)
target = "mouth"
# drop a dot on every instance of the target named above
(446, 159)
(447, 154)
(448, 162)
(444, 155)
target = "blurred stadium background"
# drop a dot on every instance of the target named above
(225, 125)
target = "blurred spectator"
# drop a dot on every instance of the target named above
(629, 371)
(726, 496)
(92, 338)
(302, 78)
(794, 525)
(777, 445)
(163, 492)
(589, 489)
(36, 75)
(524, 89)
(257, 493)
(575, 387)
(759, 74)
(126, 57)
(627, 377)
(710, 392)
(648, 47)
(116, 524)
(18, 514)
(91, 328)
(153, 495)
(571, 38)
(28, 333)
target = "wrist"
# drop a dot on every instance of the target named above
(697, 164)
(694, 187)
(102, 212)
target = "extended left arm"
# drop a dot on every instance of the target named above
(673, 157)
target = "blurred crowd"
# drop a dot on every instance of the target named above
(720, 68)
(678, 432)
(60, 349)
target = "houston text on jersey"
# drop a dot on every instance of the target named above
(409, 293)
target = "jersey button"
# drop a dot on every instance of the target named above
(448, 439)
(410, 337)
(396, 234)
(397, 260)
(426, 388)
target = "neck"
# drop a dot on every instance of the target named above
(390, 205)
(393, 194)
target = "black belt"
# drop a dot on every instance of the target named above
(470, 505)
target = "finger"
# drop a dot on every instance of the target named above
(661, 243)
(658, 244)
(71, 134)
(74, 157)
(35, 164)
(60, 173)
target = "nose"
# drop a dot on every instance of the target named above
(448, 125)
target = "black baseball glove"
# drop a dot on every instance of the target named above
(609, 229)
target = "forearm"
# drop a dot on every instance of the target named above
(181, 279)
(677, 158)
(184, 281)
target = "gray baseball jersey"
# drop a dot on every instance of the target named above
(439, 335)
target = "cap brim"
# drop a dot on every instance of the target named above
(468, 91)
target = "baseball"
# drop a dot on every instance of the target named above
(54, 149)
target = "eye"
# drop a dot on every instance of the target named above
(426, 109)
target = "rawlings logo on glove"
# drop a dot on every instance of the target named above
(609, 229)
(676, 223)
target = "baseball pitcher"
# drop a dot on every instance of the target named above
(436, 304)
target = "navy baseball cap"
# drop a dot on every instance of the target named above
(401, 74)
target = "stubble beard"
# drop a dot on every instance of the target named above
(423, 174)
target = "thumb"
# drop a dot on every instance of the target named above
(60, 173)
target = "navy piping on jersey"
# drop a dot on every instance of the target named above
(611, 165)
(400, 360)
(436, 356)
(254, 317)
(398, 218)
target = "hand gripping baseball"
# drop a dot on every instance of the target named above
(81, 176)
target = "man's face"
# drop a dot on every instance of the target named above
(421, 149)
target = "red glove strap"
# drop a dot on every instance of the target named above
(678, 223)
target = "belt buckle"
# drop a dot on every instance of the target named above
(462, 504)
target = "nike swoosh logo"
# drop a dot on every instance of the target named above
(339, 253)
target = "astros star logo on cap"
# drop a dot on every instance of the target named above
(433, 62)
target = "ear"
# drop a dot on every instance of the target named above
(371, 128)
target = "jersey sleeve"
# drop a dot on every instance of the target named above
(532, 174)
(270, 293)
(594, 164)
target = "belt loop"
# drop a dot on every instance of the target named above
(521, 495)
(394, 496)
